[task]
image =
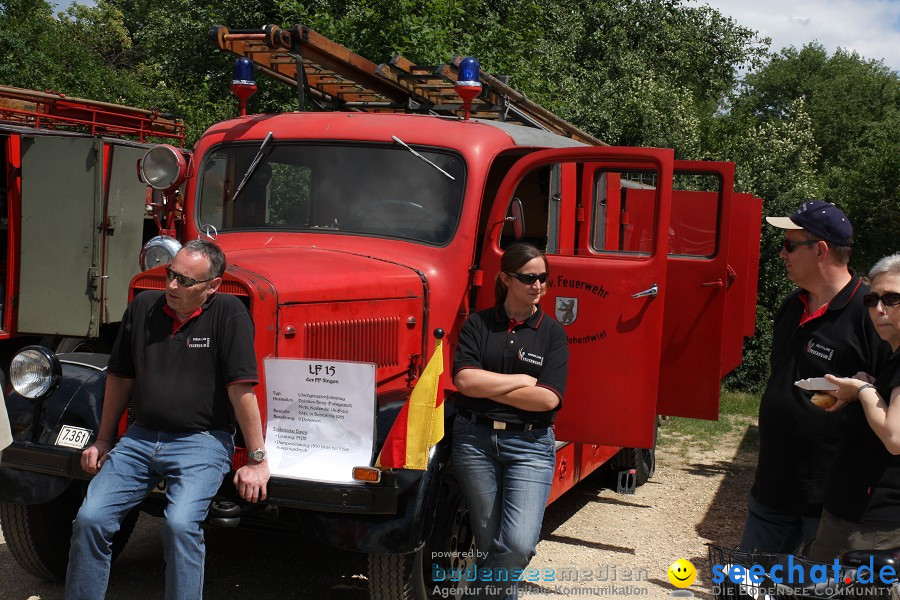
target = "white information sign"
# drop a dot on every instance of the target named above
(321, 418)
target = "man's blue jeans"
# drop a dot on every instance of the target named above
(505, 477)
(193, 466)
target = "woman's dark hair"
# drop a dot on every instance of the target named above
(512, 260)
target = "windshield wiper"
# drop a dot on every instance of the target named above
(402, 143)
(252, 167)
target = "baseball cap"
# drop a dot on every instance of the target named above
(822, 219)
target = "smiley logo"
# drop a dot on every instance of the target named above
(682, 573)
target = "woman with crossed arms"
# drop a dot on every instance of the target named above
(510, 369)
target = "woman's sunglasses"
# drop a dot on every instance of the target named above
(888, 299)
(529, 278)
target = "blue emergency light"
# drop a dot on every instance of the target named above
(468, 82)
(243, 72)
(243, 85)
(469, 72)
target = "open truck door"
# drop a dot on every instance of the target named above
(607, 254)
(701, 276)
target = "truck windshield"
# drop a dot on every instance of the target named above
(383, 191)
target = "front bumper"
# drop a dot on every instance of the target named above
(374, 499)
(40, 458)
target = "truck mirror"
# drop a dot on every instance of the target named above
(516, 216)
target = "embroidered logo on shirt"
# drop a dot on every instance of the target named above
(819, 350)
(199, 342)
(530, 358)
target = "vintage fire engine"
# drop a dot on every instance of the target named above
(72, 215)
(353, 233)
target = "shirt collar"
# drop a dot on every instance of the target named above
(166, 309)
(533, 321)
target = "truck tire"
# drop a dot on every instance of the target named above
(39, 535)
(451, 547)
(642, 460)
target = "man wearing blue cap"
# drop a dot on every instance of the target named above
(822, 327)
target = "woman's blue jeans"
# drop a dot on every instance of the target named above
(505, 477)
(193, 466)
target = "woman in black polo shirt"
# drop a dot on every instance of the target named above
(510, 369)
(862, 500)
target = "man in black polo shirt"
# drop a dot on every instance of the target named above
(186, 358)
(822, 327)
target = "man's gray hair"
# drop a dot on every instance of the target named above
(887, 265)
(211, 251)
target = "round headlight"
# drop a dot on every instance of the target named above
(35, 372)
(160, 250)
(163, 167)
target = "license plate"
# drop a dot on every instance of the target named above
(73, 437)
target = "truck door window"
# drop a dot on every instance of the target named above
(383, 191)
(540, 196)
(696, 200)
(624, 212)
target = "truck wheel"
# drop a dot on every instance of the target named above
(642, 460)
(451, 549)
(39, 535)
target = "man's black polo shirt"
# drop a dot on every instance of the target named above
(536, 347)
(182, 375)
(798, 440)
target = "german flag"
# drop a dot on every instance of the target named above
(420, 424)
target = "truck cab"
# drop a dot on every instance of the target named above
(351, 237)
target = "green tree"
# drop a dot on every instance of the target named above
(854, 108)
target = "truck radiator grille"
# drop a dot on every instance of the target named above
(367, 340)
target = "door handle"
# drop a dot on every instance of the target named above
(716, 283)
(653, 290)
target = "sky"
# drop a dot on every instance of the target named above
(870, 27)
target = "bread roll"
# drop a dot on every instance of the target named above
(823, 400)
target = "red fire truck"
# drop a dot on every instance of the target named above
(354, 232)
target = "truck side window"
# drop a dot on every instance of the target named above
(624, 212)
(539, 193)
(695, 215)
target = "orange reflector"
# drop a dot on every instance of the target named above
(368, 474)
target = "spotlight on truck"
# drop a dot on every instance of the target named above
(163, 168)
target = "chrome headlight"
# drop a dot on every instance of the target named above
(163, 167)
(35, 372)
(160, 250)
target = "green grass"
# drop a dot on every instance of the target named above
(736, 411)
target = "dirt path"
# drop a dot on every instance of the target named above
(697, 496)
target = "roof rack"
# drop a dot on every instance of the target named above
(51, 110)
(338, 79)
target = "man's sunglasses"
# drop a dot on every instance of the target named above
(888, 299)
(790, 246)
(184, 280)
(529, 278)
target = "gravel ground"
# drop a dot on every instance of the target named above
(697, 496)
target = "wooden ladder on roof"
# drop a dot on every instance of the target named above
(338, 79)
